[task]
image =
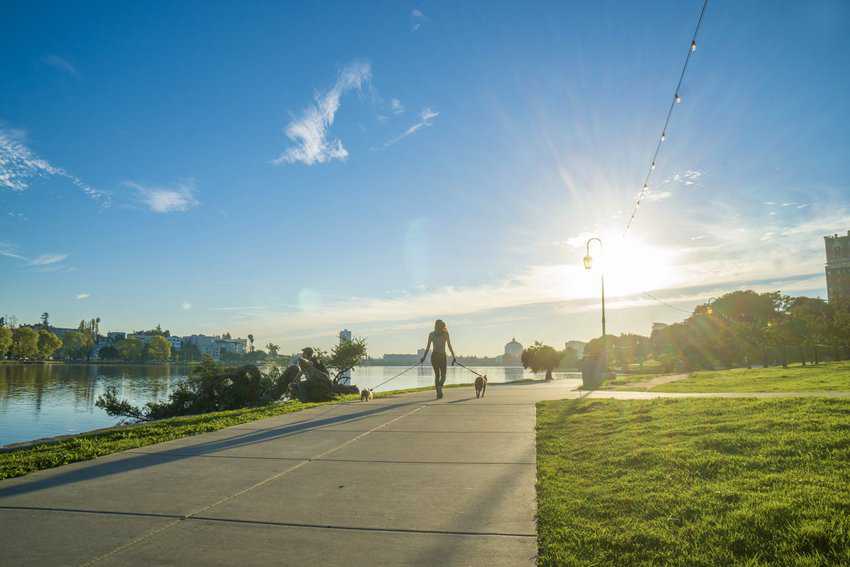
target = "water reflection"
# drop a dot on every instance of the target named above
(43, 400)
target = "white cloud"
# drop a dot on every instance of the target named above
(61, 64)
(652, 196)
(9, 251)
(18, 165)
(310, 132)
(186, 306)
(177, 198)
(395, 106)
(426, 118)
(689, 177)
(417, 19)
(47, 259)
(82, 296)
(41, 263)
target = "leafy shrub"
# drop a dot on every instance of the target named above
(211, 387)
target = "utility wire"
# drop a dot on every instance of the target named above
(662, 302)
(676, 100)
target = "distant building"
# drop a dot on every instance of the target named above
(400, 359)
(577, 346)
(658, 326)
(837, 266)
(215, 346)
(513, 353)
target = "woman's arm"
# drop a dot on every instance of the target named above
(427, 348)
(451, 350)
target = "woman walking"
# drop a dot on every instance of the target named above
(440, 338)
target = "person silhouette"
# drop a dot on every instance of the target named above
(439, 337)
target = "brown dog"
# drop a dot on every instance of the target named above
(480, 386)
(366, 395)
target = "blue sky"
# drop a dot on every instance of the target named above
(289, 170)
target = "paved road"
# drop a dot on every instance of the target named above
(401, 481)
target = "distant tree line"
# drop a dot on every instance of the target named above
(740, 328)
(39, 342)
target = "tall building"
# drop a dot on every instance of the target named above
(577, 346)
(837, 266)
(513, 353)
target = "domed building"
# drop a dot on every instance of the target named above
(513, 353)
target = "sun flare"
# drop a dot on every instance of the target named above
(631, 266)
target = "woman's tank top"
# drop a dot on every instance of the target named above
(439, 340)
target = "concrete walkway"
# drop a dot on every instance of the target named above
(401, 481)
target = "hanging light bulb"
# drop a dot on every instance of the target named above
(693, 45)
(678, 98)
(663, 136)
(652, 167)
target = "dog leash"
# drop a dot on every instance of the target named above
(373, 388)
(467, 368)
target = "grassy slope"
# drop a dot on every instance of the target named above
(831, 376)
(694, 482)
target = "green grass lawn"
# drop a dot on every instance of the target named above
(85, 446)
(830, 376)
(694, 482)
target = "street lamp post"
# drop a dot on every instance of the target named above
(588, 264)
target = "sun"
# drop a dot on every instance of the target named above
(631, 266)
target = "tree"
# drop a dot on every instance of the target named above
(75, 345)
(131, 349)
(189, 352)
(273, 349)
(569, 359)
(250, 343)
(159, 349)
(24, 343)
(5, 341)
(811, 318)
(48, 343)
(539, 357)
(345, 356)
(109, 353)
(45, 320)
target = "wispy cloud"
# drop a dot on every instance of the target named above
(19, 165)
(426, 118)
(8, 250)
(396, 107)
(44, 262)
(82, 296)
(161, 199)
(61, 64)
(309, 133)
(185, 306)
(47, 259)
(689, 177)
(417, 19)
(652, 196)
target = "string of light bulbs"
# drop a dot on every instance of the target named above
(677, 99)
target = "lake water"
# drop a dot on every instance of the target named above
(43, 400)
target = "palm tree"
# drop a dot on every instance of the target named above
(251, 343)
(45, 320)
(272, 348)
